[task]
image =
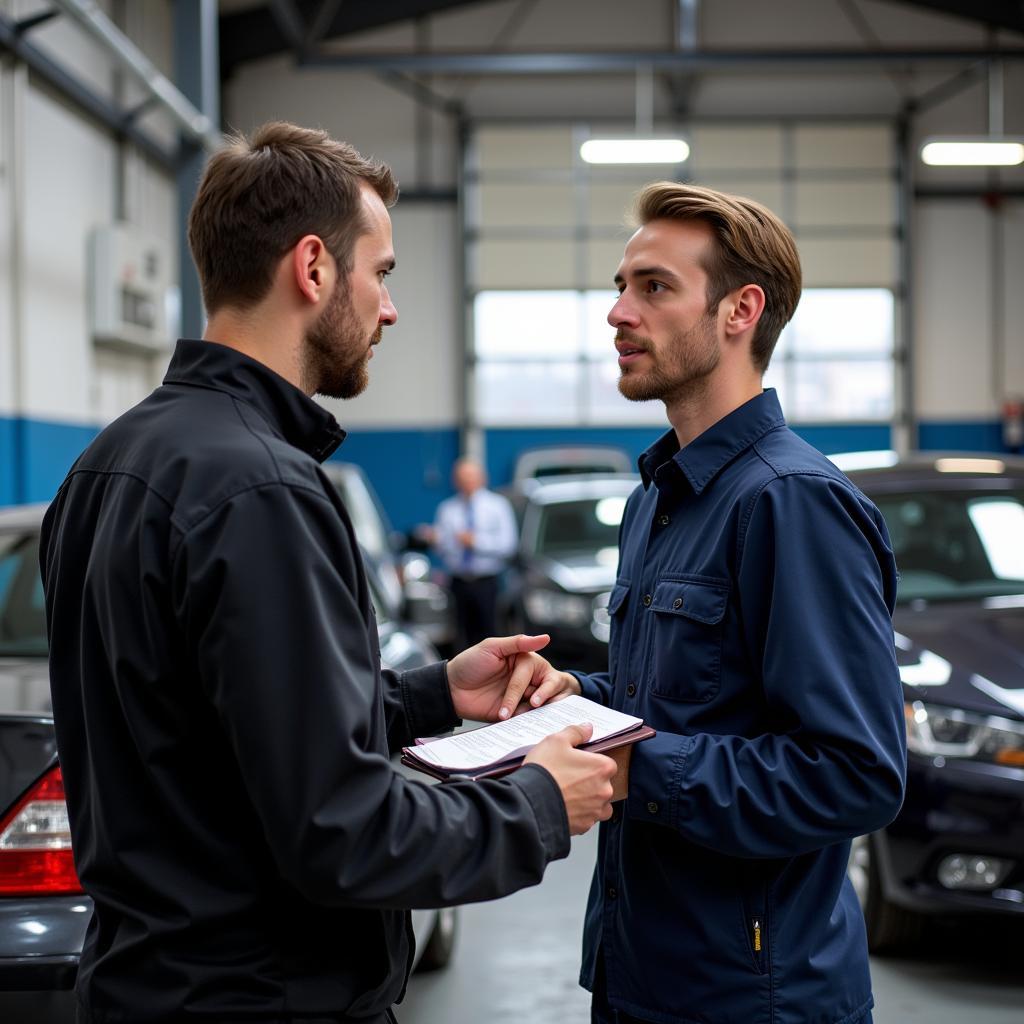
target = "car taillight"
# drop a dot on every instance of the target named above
(35, 842)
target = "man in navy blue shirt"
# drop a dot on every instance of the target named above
(751, 627)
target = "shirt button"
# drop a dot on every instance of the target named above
(664, 520)
(647, 600)
(630, 690)
(612, 892)
(677, 603)
(652, 807)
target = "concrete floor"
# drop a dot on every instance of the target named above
(517, 960)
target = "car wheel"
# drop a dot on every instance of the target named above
(890, 928)
(438, 950)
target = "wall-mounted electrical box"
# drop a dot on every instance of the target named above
(129, 282)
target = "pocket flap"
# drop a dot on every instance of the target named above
(617, 596)
(704, 602)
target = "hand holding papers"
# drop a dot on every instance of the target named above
(500, 748)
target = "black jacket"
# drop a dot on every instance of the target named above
(224, 725)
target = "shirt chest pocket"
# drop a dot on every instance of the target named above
(688, 626)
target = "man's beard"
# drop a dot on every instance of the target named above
(680, 371)
(335, 350)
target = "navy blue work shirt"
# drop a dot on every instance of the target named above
(751, 626)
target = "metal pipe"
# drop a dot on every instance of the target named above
(686, 25)
(571, 63)
(80, 94)
(905, 426)
(13, 155)
(995, 98)
(195, 124)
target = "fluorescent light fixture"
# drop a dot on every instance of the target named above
(979, 151)
(970, 465)
(634, 151)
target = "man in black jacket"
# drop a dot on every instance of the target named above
(222, 719)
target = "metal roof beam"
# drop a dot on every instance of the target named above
(626, 61)
(81, 95)
(193, 123)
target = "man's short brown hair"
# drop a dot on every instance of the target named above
(260, 195)
(751, 246)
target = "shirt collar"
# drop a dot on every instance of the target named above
(293, 414)
(702, 459)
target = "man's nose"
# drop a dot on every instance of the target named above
(622, 313)
(388, 311)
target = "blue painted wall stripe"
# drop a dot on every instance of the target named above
(411, 469)
(35, 456)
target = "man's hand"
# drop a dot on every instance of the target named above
(489, 680)
(585, 779)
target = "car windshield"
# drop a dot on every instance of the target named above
(956, 545)
(22, 614)
(588, 525)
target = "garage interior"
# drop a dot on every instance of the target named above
(908, 338)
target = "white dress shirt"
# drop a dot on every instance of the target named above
(489, 517)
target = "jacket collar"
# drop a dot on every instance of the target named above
(702, 459)
(290, 413)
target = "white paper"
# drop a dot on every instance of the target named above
(506, 740)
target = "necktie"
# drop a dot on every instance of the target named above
(467, 551)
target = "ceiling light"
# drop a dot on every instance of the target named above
(970, 465)
(979, 151)
(634, 151)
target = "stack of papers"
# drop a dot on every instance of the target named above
(500, 748)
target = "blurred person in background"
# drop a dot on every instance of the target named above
(475, 536)
(223, 722)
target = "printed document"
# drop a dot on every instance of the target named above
(514, 737)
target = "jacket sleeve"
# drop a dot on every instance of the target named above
(417, 703)
(267, 587)
(816, 586)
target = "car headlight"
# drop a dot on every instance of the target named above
(552, 606)
(936, 731)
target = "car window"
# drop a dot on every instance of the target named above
(22, 609)
(586, 525)
(951, 545)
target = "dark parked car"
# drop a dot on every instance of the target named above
(565, 566)
(957, 528)
(43, 912)
(548, 461)
(404, 576)
(957, 846)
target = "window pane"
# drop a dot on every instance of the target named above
(844, 321)
(841, 390)
(606, 405)
(1000, 526)
(777, 376)
(526, 323)
(598, 334)
(527, 393)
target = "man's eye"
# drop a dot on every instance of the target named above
(655, 286)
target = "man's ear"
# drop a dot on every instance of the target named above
(744, 309)
(312, 267)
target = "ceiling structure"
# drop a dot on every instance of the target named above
(255, 30)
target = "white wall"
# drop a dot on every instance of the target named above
(50, 370)
(59, 182)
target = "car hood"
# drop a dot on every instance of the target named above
(967, 655)
(24, 686)
(581, 573)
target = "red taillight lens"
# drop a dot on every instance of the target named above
(35, 842)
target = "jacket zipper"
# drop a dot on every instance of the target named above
(756, 929)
